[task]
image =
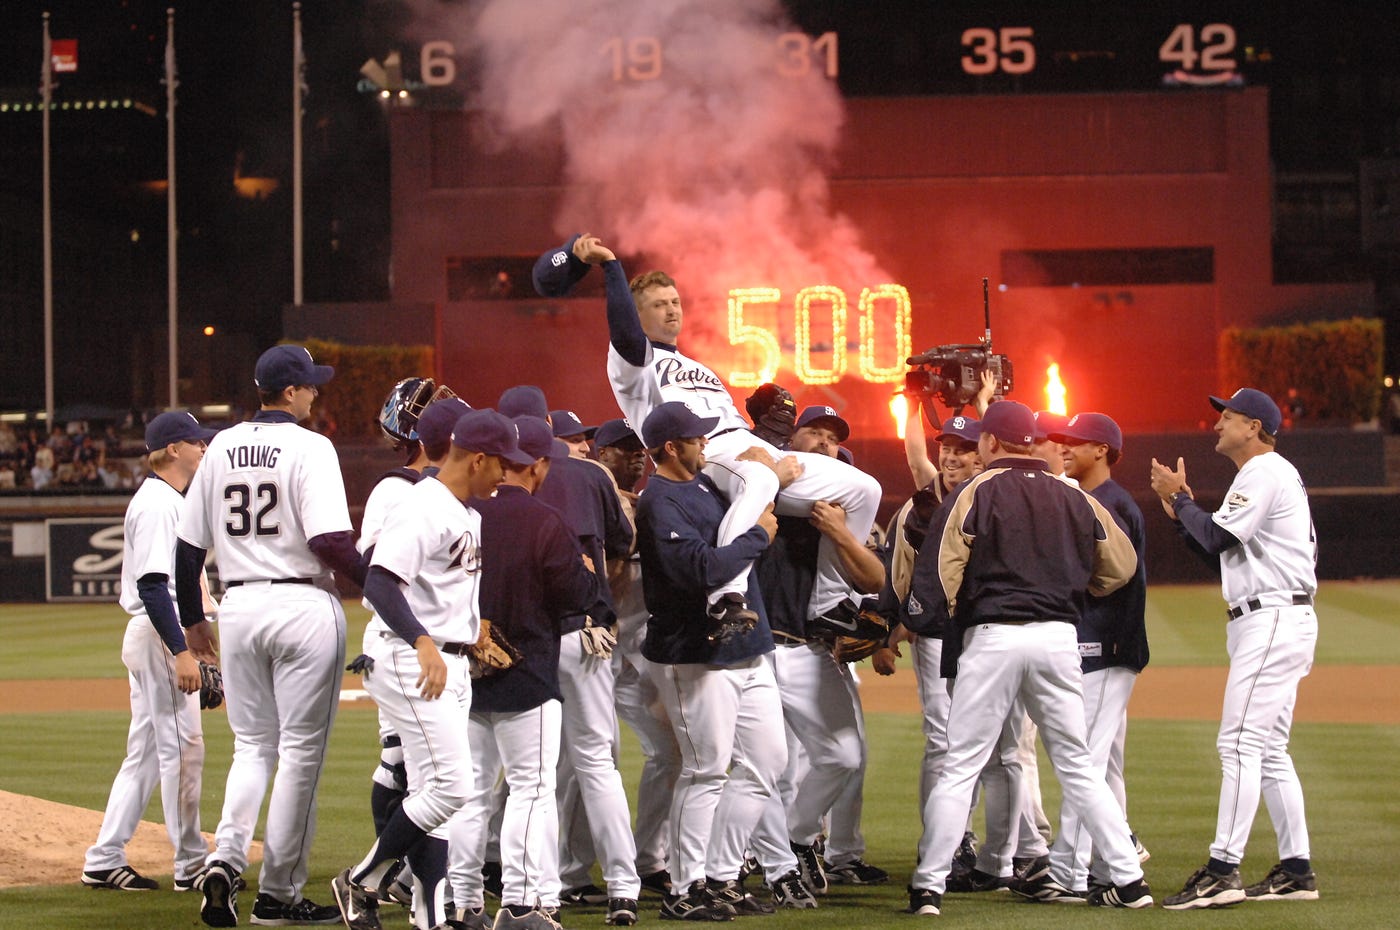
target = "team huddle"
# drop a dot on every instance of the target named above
(526, 597)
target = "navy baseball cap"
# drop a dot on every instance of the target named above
(1048, 422)
(285, 366)
(674, 420)
(523, 400)
(1010, 421)
(825, 416)
(567, 423)
(1254, 404)
(490, 432)
(175, 426)
(960, 427)
(616, 433)
(558, 270)
(436, 421)
(536, 440)
(1090, 427)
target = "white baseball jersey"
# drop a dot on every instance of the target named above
(261, 492)
(148, 541)
(432, 541)
(1267, 510)
(668, 375)
(384, 499)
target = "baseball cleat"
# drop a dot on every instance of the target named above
(733, 894)
(658, 882)
(270, 912)
(1133, 894)
(695, 904)
(727, 617)
(122, 878)
(358, 907)
(1282, 885)
(924, 903)
(537, 918)
(974, 880)
(622, 912)
(194, 883)
(790, 891)
(221, 887)
(1207, 889)
(470, 918)
(856, 872)
(813, 875)
(1044, 890)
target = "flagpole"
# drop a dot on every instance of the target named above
(46, 91)
(298, 66)
(172, 275)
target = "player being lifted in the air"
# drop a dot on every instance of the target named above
(646, 368)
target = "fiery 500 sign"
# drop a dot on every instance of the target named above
(879, 364)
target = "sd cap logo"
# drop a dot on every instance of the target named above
(559, 258)
(959, 422)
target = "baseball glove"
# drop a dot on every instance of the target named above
(854, 633)
(492, 653)
(211, 686)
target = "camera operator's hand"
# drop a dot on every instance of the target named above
(986, 392)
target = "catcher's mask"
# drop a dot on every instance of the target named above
(398, 418)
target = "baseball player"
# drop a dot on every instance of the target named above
(719, 694)
(585, 494)
(821, 702)
(638, 703)
(270, 499)
(423, 583)
(534, 576)
(569, 429)
(1112, 644)
(958, 461)
(1008, 561)
(425, 438)
(165, 743)
(1263, 538)
(646, 368)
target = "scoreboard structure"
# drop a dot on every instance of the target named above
(1113, 180)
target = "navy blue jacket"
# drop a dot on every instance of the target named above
(586, 497)
(532, 578)
(1117, 622)
(786, 572)
(677, 530)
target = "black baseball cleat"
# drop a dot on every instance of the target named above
(729, 616)
(1134, 894)
(732, 893)
(622, 912)
(695, 904)
(658, 882)
(270, 912)
(584, 896)
(1207, 889)
(810, 864)
(1283, 885)
(924, 903)
(856, 872)
(221, 886)
(122, 878)
(974, 880)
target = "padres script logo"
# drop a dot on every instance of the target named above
(696, 378)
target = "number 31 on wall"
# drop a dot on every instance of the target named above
(833, 299)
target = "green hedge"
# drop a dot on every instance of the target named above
(363, 377)
(1336, 366)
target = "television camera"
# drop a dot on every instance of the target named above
(953, 373)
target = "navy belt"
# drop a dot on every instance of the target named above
(456, 649)
(1253, 604)
(234, 584)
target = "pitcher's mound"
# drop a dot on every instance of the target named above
(45, 842)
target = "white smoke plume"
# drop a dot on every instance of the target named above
(715, 169)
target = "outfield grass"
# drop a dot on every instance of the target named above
(1173, 780)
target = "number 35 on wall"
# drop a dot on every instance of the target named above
(891, 299)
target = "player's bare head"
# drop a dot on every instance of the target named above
(658, 306)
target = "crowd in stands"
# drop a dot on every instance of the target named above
(72, 456)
